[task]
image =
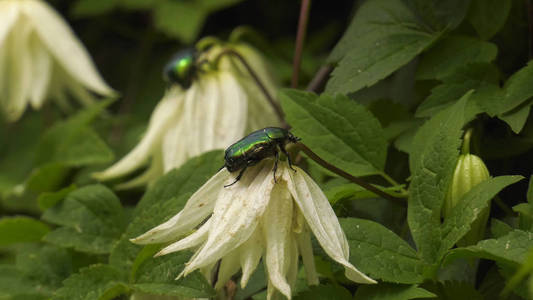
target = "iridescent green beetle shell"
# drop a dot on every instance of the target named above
(181, 69)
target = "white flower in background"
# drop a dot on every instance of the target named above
(253, 219)
(220, 107)
(40, 58)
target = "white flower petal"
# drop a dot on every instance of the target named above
(197, 208)
(64, 45)
(191, 241)
(162, 116)
(211, 105)
(277, 221)
(9, 14)
(228, 267)
(236, 215)
(232, 117)
(322, 221)
(250, 255)
(19, 69)
(175, 144)
(42, 65)
(306, 249)
(153, 172)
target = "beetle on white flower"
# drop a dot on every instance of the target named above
(222, 103)
(41, 58)
(257, 218)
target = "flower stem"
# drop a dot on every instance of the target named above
(346, 175)
(320, 77)
(466, 142)
(258, 81)
(300, 38)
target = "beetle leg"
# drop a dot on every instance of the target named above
(276, 165)
(288, 156)
(237, 178)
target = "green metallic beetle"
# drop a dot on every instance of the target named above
(182, 68)
(256, 146)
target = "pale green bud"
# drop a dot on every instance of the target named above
(469, 172)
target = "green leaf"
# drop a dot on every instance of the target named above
(389, 291)
(21, 230)
(517, 117)
(89, 8)
(163, 200)
(454, 290)
(73, 142)
(432, 163)
(380, 253)
(325, 292)
(98, 282)
(48, 177)
(158, 276)
(182, 19)
(482, 78)
(339, 130)
(518, 88)
(470, 205)
(454, 52)
(91, 217)
(13, 285)
(383, 36)
(438, 14)
(49, 199)
(47, 266)
(510, 249)
(488, 16)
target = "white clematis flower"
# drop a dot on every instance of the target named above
(220, 107)
(40, 57)
(253, 219)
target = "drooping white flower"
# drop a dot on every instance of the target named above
(40, 58)
(220, 106)
(253, 219)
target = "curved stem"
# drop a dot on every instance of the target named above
(300, 38)
(346, 175)
(318, 80)
(260, 84)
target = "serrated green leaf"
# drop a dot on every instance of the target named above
(470, 205)
(47, 266)
(97, 282)
(92, 219)
(510, 249)
(438, 14)
(339, 130)
(383, 36)
(482, 78)
(499, 228)
(325, 292)
(432, 163)
(454, 52)
(488, 16)
(21, 230)
(389, 291)
(158, 276)
(163, 200)
(518, 88)
(49, 199)
(73, 142)
(380, 253)
(517, 117)
(13, 285)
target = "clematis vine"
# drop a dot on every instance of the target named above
(257, 218)
(220, 106)
(41, 58)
